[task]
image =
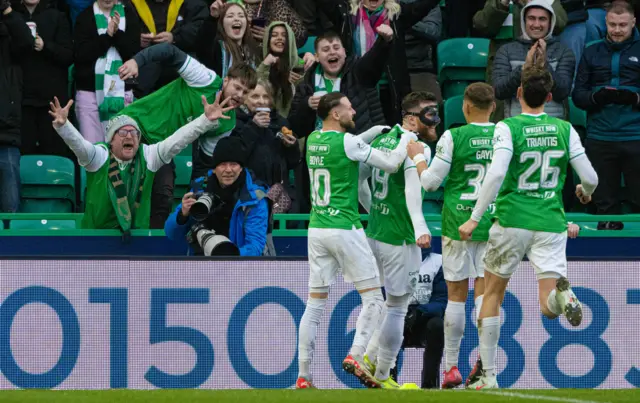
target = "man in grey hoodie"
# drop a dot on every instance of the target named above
(537, 21)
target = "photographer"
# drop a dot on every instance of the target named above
(424, 323)
(226, 212)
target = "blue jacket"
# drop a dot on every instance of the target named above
(612, 65)
(249, 220)
(438, 302)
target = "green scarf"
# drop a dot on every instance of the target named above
(109, 87)
(321, 83)
(122, 192)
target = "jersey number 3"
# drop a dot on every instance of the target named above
(318, 177)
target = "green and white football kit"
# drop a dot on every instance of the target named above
(463, 156)
(336, 239)
(527, 174)
(395, 216)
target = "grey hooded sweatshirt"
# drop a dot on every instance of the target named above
(510, 58)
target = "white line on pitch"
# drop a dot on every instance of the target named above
(540, 397)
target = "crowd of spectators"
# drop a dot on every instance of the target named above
(135, 59)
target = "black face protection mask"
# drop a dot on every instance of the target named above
(428, 116)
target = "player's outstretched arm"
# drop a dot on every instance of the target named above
(358, 150)
(432, 175)
(364, 192)
(369, 135)
(413, 197)
(581, 164)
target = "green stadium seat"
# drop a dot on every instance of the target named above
(42, 224)
(461, 61)
(577, 116)
(183, 178)
(453, 116)
(48, 184)
(431, 207)
(187, 152)
(437, 196)
(308, 46)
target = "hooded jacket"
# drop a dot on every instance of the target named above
(488, 23)
(249, 220)
(15, 42)
(507, 69)
(46, 72)
(608, 64)
(263, 70)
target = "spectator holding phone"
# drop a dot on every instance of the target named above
(281, 66)
(105, 35)
(225, 38)
(607, 88)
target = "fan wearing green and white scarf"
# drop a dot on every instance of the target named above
(110, 88)
(324, 85)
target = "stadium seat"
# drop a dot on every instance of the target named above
(187, 152)
(48, 184)
(577, 116)
(461, 61)
(453, 116)
(431, 207)
(437, 196)
(183, 178)
(42, 224)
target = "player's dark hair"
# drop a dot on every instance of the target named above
(620, 7)
(244, 73)
(414, 99)
(536, 85)
(327, 103)
(327, 36)
(480, 95)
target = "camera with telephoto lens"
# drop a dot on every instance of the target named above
(206, 203)
(211, 243)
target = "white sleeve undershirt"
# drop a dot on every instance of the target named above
(502, 154)
(90, 156)
(358, 150)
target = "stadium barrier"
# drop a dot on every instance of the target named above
(288, 242)
(196, 323)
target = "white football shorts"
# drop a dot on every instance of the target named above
(396, 263)
(462, 260)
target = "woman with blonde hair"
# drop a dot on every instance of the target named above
(358, 20)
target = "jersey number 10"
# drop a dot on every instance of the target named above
(317, 177)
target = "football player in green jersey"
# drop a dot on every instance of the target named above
(336, 239)
(396, 231)
(530, 156)
(462, 155)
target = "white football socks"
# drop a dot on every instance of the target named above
(489, 330)
(307, 336)
(367, 323)
(552, 303)
(374, 344)
(478, 303)
(454, 323)
(391, 336)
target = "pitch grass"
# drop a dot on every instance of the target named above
(322, 396)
